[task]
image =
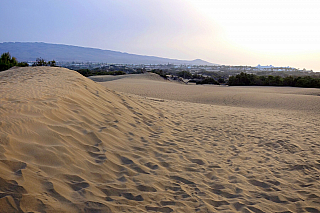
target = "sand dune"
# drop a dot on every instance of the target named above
(68, 144)
(152, 85)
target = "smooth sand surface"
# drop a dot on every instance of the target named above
(152, 85)
(68, 144)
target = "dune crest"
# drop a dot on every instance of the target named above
(68, 144)
(63, 138)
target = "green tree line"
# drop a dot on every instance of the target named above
(244, 79)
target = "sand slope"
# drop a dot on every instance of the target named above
(68, 144)
(152, 85)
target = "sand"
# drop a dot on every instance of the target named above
(140, 143)
(152, 85)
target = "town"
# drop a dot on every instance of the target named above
(213, 71)
(190, 68)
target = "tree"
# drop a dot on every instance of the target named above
(6, 61)
(42, 62)
(208, 80)
(51, 63)
(288, 81)
(184, 74)
(221, 81)
(39, 62)
(250, 79)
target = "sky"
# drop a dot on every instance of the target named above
(229, 32)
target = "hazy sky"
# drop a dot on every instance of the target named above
(235, 32)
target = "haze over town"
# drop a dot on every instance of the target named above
(281, 33)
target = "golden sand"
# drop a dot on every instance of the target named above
(68, 144)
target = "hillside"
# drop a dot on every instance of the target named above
(29, 51)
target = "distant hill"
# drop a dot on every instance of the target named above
(29, 51)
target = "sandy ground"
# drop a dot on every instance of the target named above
(68, 144)
(152, 85)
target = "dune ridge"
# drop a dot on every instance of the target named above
(68, 144)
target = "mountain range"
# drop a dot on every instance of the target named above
(30, 51)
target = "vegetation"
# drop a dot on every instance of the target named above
(279, 78)
(185, 74)
(198, 78)
(23, 64)
(221, 80)
(87, 72)
(42, 62)
(195, 78)
(160, 72)
(6, 62)
(208, 80)
(105, 70)
(244, 79)
(209, 75)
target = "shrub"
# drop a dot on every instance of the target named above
(208, 81)
(39, 62)
(23, 64)
(162, 73)
(51, 63)
(42, 62)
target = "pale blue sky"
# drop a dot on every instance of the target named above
(235, 32)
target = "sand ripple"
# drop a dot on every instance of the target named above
(68, 144)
